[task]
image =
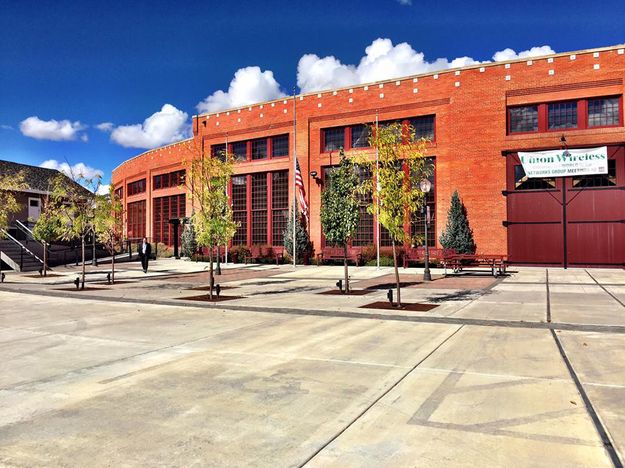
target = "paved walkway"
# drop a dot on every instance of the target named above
(528, 370)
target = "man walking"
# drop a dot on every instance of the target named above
(145, 251)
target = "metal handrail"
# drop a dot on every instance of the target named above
(25, 229)
(6, 233)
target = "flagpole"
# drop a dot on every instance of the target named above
(377, 198)
(294, 170)
(226, 155)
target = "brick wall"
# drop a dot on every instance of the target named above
(470, 108)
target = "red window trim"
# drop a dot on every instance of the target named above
(347, 140)
(582, 115)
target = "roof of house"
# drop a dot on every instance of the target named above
(37, 178)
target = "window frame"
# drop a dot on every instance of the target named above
(582, 115)
(136, 187)
(347, 132)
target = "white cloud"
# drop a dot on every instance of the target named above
(249, 85)
(76, 170)
(165, 126)
(405, 2)
(105, 126)
(6, 127)
(383, 61)
(510, 54)
(104, 189)
(55, 130)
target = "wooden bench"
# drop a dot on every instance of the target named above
(417, 254)
(496, 263)
(337, 253)
(262, 251)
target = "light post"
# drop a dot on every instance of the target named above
(425, 185)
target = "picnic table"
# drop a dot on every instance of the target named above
(458, 262)
(417, 254)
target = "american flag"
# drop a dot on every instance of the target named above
(299, 183)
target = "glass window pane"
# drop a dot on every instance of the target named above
(522, 182)
(603, 112)
(523, 119)
(562, 115)
(239, 149)
(280, 146)
(360, 136)
(334, 138)
(219, 151)
(423, 127)
(259, 149)
(598, 180)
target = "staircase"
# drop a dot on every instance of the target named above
(18, 257)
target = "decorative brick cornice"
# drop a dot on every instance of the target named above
(564, 87)
(382, 111)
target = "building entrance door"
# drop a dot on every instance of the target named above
(567, 221)
(34, 209)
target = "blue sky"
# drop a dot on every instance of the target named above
(79, 79)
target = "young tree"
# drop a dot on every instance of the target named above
(339, 208)
(9, 184)
(74, 204)
(207, 181)
(47, 229)
(302, 240)
(394, 185)
(109, 223)
(457, 234)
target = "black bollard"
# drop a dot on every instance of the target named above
(339, 284)
(40, 271)
(218, 290)
(108, 278)
(389, 296)
(2, 276)
(77, 282)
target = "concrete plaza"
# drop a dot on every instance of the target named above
(526, 370)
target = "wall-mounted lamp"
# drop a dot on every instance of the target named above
(563, 140)
(315, 176)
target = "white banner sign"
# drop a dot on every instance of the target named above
(563, 163)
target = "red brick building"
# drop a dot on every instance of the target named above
(477, 118)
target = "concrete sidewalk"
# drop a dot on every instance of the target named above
(96, 380)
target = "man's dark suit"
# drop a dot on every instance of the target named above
(145, 257)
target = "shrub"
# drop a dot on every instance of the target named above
(164, 251)
(385, 260)
(239, 252)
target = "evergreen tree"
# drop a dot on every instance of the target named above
(302, 240)
(339, 208)
(457, 234)
(189, 244)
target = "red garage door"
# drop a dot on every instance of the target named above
(567, 221)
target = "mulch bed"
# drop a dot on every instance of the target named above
(414, 307)
(402, 284)
(207, 288)
(106, 283)
(206, 298)
(49, 275)
(352, 292)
